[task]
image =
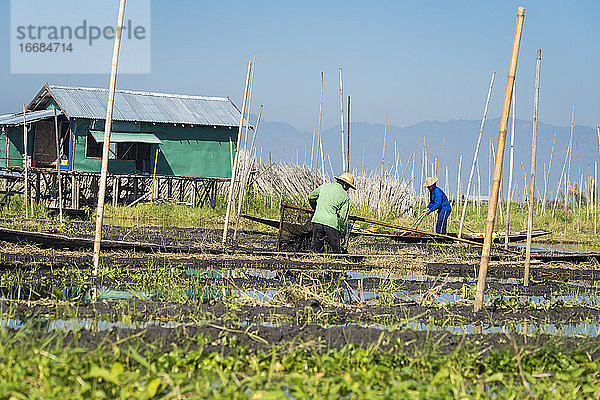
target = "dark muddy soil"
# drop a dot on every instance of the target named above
(305, 310)
(44, 282)
(226, 338)
(506, 272)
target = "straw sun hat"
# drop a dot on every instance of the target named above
(348, 178)
(430, 181)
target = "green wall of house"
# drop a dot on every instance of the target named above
(15, 145)
(186, 151)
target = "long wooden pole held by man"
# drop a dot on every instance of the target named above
(106, 144)
(493, 201)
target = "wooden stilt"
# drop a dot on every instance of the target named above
(485, 253)
(73, 192)
(58, 162)
(25, 163)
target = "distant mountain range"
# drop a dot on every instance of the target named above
(446, 140)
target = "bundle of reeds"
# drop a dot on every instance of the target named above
(296, 181)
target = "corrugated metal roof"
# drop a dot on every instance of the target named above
(127, 137)
(91, 103)
(17, 119)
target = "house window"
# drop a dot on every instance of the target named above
(93, 149)
(127, 151)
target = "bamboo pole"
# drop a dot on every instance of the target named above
(547, 180)
(458, 185)
(485, 253)
(237, 152)
(511, 166)
(382, 167)
(562, 175)
(478, 191)
(25, 163)
(249, 108)
(384, 139)
(342, 120)
(579, 203)
(312, 149)
(419, 189)
(490, 172)
(533, 162)
(475, 156)
(58, 159)
(348, 134)
(412, 175)
(598, 134)
(246, 175)
(320, 144)
(596, 177)
(568, 177)
(106, 144)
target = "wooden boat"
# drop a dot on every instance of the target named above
(55, 240)
(411, 237)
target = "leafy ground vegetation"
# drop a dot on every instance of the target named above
(397, 322)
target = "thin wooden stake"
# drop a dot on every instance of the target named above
(458, 185)
(478, 191)
(320, 144)
(237, 152)
(533, 162)
(342, 120)
(106, 145)
(511, 166)
(547, 180)
(58, 159)
(249, 108)
(568, 176)
(246, 176)
(476, 155)
(487, 243)
(384, 139)
(348, 147)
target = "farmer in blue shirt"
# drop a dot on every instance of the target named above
(437, 201)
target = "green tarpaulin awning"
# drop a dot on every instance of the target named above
(121, 137)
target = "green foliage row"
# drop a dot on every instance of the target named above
(47, 368)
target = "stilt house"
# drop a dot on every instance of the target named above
(194, 135)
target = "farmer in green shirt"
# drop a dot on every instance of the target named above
(330, 221)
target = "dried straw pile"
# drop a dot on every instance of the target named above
(296, 181)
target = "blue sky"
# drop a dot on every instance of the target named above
(425, 60)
